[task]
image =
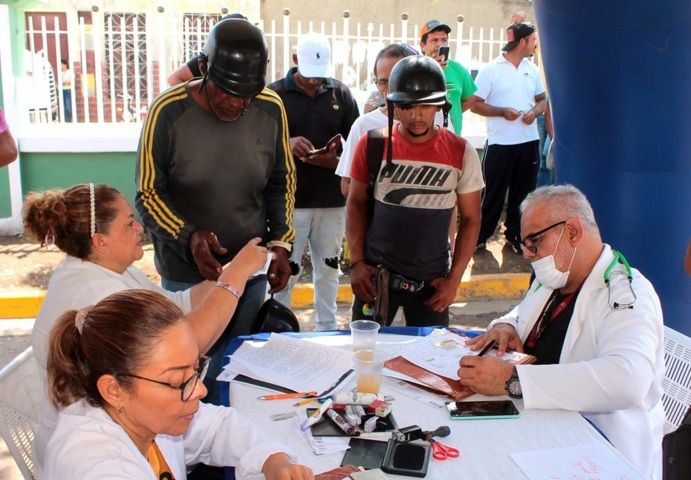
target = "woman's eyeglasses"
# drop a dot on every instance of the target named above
(187, 387)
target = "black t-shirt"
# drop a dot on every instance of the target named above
(317, 119)
(549, 331)
(193, 65)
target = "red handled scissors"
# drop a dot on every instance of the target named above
(442, 452)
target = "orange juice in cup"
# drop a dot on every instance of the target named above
(368, 371)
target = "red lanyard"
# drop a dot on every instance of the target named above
(551, 311)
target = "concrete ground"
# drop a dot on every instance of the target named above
(15, 336)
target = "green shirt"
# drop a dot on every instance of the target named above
(459, 86)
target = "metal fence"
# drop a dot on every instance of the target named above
(122, 62)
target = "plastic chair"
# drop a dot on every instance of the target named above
(676, 385)
(20, 394)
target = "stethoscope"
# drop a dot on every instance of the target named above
(619, 259)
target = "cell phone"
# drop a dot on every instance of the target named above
(482, 409)
(325, 148)
(443, 52)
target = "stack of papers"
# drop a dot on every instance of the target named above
(319, 445)
(290, 363)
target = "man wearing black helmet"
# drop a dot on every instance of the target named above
(401, 256)
(215, 170)
(190, 69)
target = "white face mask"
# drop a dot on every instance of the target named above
(546, 271)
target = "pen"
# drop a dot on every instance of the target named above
(304, 402)
(487, 348)
(312, 419)
(281, 396)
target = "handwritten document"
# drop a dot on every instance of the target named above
(439, 353)
(292, 363)
(593, 461)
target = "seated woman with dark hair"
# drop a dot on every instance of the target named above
(127, 372)
(94, 225)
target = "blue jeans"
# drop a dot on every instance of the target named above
(240, 324)
(322, 229)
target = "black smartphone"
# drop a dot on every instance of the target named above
(482, 409)
(443, 52)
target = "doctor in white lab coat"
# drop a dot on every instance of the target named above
(596, 354)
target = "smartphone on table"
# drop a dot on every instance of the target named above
(482, 409)
(443, 52)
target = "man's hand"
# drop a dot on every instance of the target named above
(279, 467)
(202, 244)
(510, 113)
(445, 292)
(441, 60)
(529, 117)
(502, 333)
(485, 375)
(279, 270)
(361, 275)
(300, 147)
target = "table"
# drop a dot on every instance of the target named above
(485, 445)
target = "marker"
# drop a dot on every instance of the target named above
(312, 419)
(487, 348)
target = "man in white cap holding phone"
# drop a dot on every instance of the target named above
(319, 108)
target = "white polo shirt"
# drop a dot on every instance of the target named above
(501, 84)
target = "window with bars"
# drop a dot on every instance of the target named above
(126, 57)
(195, 31)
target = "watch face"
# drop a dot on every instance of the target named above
(514, 387)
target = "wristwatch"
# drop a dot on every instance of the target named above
(513, 387)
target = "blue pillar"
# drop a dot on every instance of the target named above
(619, 75)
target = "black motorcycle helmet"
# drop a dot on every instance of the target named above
(275, 317)
(237, 57)
(416, 80)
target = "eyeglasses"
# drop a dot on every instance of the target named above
(534, 238)
(187, 387)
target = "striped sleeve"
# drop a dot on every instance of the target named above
(279, 195)
(153, 156)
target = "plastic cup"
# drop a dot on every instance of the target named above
(368, 371)
(364, 333)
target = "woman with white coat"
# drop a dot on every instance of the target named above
(598, 337)
(128, 373)
(95, 226)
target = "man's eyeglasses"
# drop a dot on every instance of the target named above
(187, 387)
(534, 238)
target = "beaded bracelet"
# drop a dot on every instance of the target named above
(230, 288)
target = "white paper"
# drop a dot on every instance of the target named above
(439, 354)
(319, 445)
(593, 461)
(292, 363)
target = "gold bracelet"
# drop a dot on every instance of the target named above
(230, 288)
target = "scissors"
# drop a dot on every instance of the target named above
(443, 452)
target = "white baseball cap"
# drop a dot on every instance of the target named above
(314, 56)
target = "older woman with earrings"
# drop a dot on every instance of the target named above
(127, 372)
(94, 225)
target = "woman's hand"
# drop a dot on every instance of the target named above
(251, 258)
(279, 467)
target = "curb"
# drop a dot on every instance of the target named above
(503, 286)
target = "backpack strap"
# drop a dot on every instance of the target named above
(375, 152)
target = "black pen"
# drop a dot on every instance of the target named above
(487, 348)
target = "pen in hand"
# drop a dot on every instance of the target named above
(487, 348)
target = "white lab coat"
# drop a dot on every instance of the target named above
(87, 444)
(611, 365)
(75, 284)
